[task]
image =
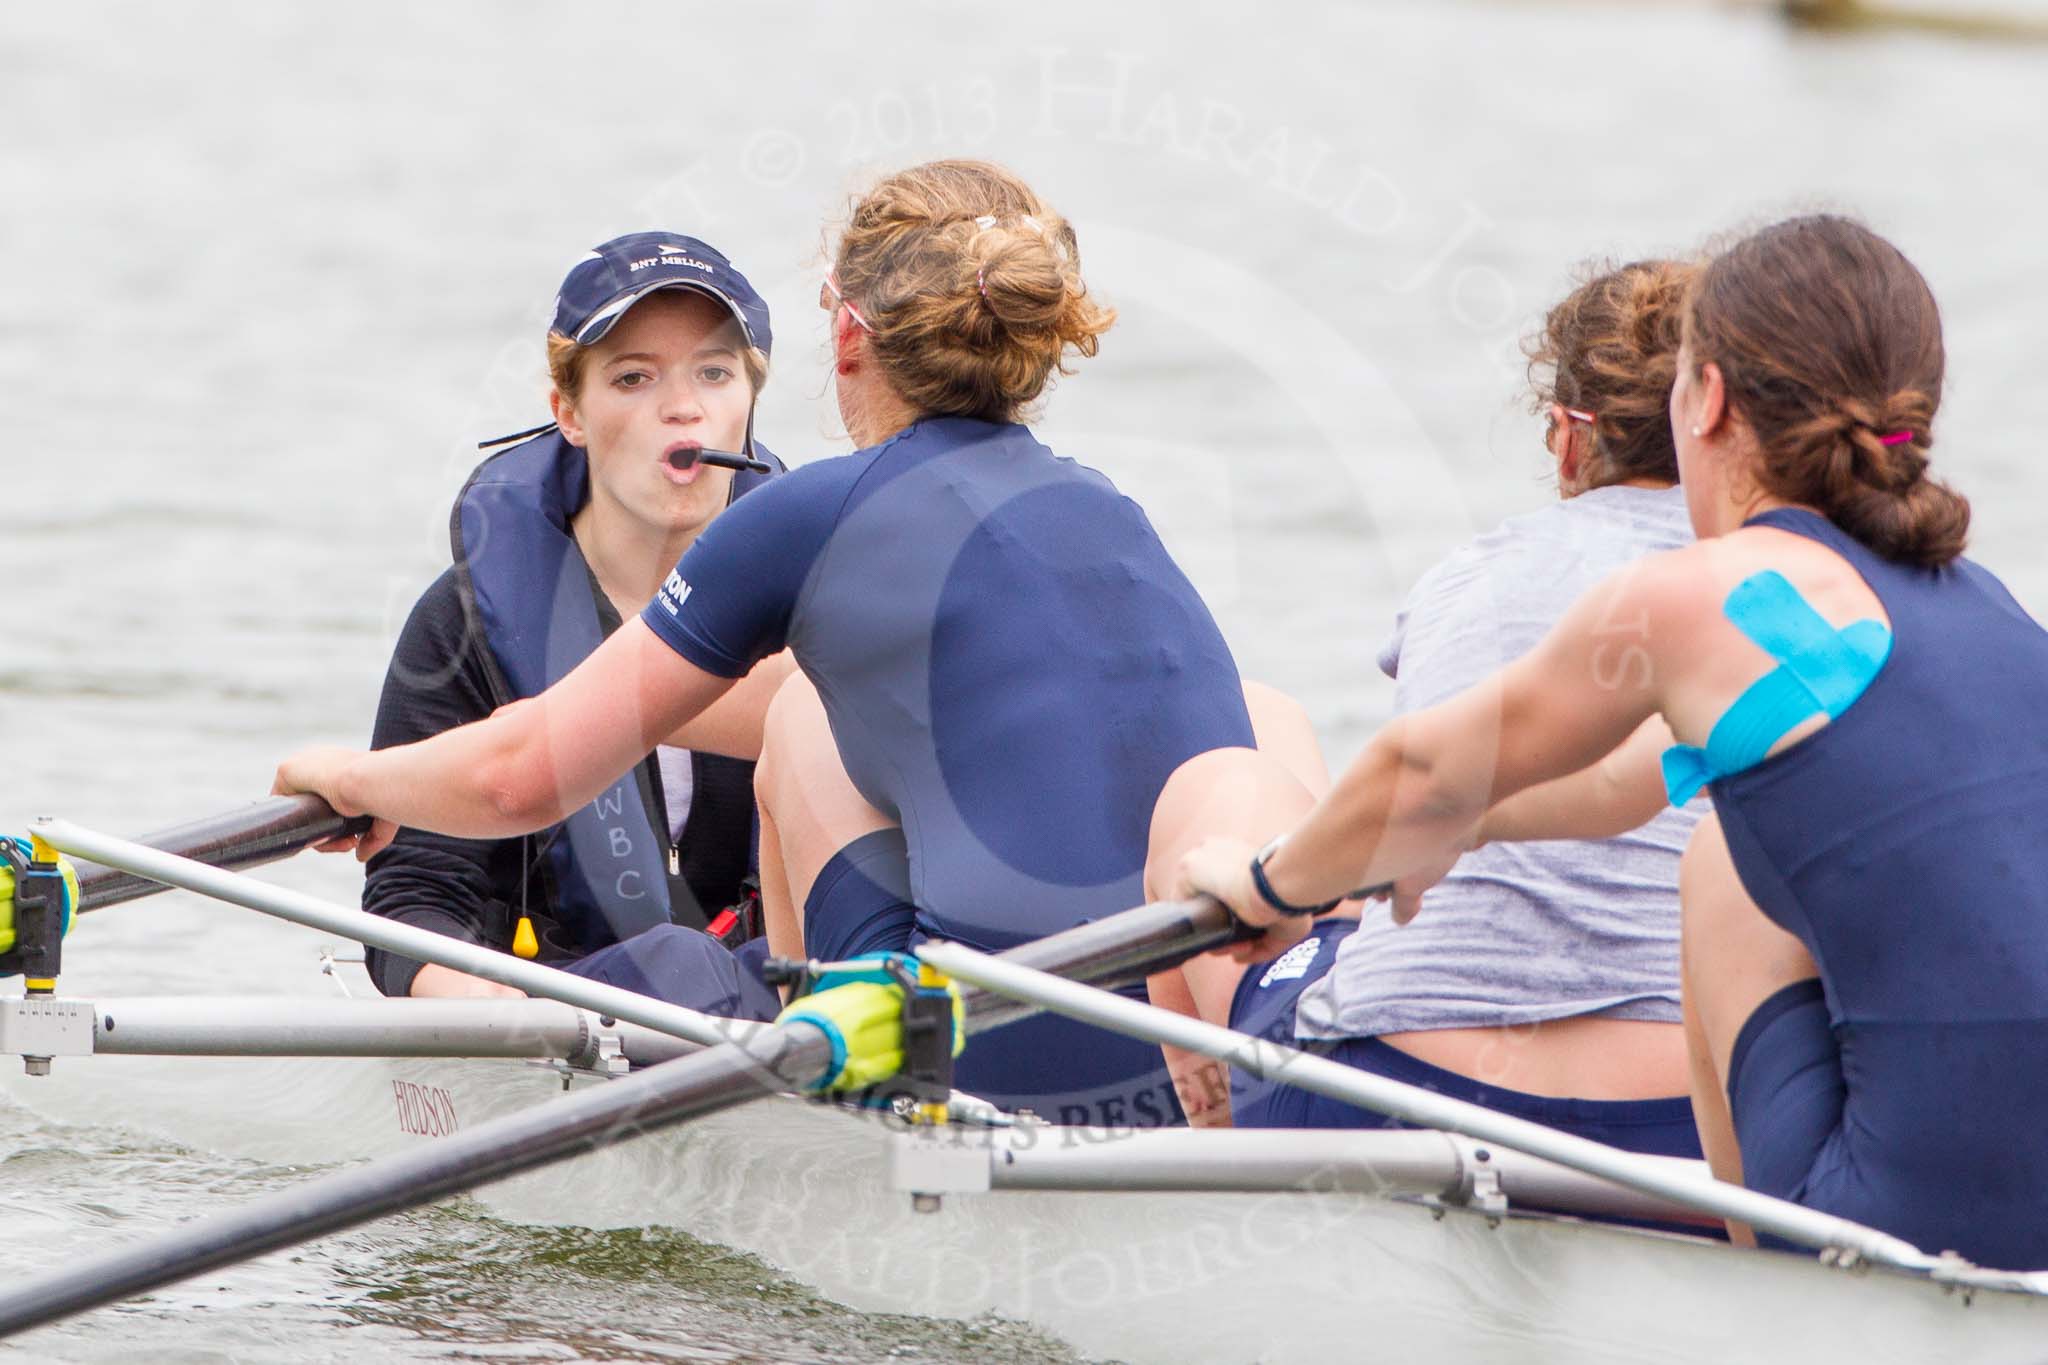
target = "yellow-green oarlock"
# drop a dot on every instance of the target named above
(864, 1021)
(42, 852)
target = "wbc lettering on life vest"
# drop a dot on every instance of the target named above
(628, 880)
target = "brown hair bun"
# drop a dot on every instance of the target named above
(1829, 343)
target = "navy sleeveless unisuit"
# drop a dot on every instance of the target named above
(1011, 663)
(1903, 844)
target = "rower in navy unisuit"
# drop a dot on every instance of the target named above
(1012, 666)
(1899, 843)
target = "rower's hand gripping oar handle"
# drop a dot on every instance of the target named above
(261, 832)
(1120, 950)
(1204, 908)
(42, 893)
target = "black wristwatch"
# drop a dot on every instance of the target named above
(1272, 898)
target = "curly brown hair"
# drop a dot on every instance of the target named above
(972, 286)
(1829, 345)
(1610, 347)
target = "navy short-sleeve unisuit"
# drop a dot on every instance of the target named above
(1011, 662)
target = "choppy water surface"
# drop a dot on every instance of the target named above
(270, 272)
(448, 1283)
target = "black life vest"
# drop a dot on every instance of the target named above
(611, 869)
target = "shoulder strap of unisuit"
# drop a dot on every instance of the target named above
(1821, 670)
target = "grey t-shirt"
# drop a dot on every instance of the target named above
(1519, 933)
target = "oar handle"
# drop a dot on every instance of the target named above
(1121, 950)
(1130, 940)
(261, 832)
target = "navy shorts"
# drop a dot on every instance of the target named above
(1059, 1068)
(1785, 1093)
(860, 902)
(1917, 1156)
(1264, 1006)
(684, 967)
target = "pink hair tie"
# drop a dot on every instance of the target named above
(1896, 438)
(981, 283)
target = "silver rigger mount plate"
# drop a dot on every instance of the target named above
(39, 1027)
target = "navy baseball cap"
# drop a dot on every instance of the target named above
(621, 272)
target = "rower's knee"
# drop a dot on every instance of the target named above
(1713, 909)
(1232, 791)
(1715, 912)
(1282, 729)
(1270, 706)
(787, 735)
(1732, 957)
(1700, 893)
(1224, 793)
(803, 789)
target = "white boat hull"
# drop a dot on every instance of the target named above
(1177, 1277)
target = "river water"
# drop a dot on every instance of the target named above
(271, 271)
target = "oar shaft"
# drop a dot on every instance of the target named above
(408, 940)
(265, 831)
(1413, 1104)
(1121, 950)
(1138, 941)
(584, 1121)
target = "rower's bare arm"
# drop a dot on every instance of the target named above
(435, 982)
(1590, 685)
(527, 765)
(1418, 791)
(732, 725)
(1619, 793)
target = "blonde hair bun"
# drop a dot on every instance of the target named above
(972, 285)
